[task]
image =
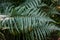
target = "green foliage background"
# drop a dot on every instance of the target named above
(29, 19)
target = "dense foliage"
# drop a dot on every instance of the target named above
(28, 19)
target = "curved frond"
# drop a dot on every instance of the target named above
(31, 27)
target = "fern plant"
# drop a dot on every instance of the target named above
(29, 21)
